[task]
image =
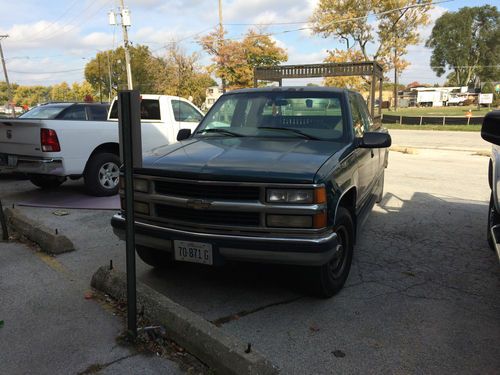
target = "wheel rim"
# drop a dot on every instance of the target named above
(337, 265)
(109, 174)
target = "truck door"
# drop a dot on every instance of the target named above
(364, 156)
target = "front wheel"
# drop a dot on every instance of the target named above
(102, 174)
(46, 181)
(328, 279)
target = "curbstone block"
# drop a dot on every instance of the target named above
(220, 351)
(46, 238)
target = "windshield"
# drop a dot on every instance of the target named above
(44, 112)
(311, 115)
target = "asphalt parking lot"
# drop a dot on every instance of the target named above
(422, 295)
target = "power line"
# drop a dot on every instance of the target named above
(55, 72)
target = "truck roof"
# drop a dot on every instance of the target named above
(290, 89)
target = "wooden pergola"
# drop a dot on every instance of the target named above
(366, 68)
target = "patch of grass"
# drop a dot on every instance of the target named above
(438, 111)
(461, 128)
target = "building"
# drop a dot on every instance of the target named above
(212, 94)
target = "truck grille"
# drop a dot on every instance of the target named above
(231, 218)
(207, 191)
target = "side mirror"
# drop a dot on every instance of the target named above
(183, 134)
(490, 131)
(375, 140)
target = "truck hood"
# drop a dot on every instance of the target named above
(243, 159)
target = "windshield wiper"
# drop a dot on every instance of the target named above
(290, 130)
(221, 131)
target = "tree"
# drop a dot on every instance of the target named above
(98, 70)
(61, 92)
(83, 91)
(466, 42)
(396, 28)
(234, 61)
(4, 98)
(31, 95)
(351, 82)
(179, 74)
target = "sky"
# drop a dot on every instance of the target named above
(51, 41)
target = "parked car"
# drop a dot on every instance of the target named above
(68, 111)
(490, 131)
(57, 141)
(271, 175)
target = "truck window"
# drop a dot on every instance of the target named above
(76, 112)
(358, 124)
(98, 113)
(365, 115)
(317, 114)
(150, 110)
(185, 112)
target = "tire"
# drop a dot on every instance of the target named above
(102, 174)
(46, 181)
(154, 257)
(328, 279)
(493, 219)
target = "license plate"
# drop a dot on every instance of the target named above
(194, 252)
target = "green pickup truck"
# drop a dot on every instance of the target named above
(271, 175)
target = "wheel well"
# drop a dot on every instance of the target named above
(112, 148)
(348, 201)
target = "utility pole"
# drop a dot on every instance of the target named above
(100, 80)
(395, 77)
(221, 42)
(125, 22)
(9, 92)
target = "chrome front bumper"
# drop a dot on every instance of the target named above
(32, 164)
(282, 250)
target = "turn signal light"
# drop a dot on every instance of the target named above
(320, 220)
(320, 195)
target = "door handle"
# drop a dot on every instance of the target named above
(373, 154)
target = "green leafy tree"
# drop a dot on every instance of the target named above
(31, 95)
(61, 92)
(396, 27)
(110, 66)
(234, 61)
(3, 91)
(84, 90)
(466, 42)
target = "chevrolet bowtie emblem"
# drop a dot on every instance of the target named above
(198, 204)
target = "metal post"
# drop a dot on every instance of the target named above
(372, 91)
(5, 233)
(130, 136)
(99, 69)
(9, 92)
(380, 83)
(395, 80)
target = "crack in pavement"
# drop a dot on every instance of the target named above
(97, 367)
(226, 319)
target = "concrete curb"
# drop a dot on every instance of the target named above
(222, 352)
(46, 238)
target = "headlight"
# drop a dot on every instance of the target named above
(141, 185)
(290, 196)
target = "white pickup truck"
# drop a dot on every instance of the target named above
(54, 142)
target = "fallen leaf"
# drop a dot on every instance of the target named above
(88, 295)
(60, 213)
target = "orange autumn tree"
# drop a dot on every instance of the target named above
(235, 60)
